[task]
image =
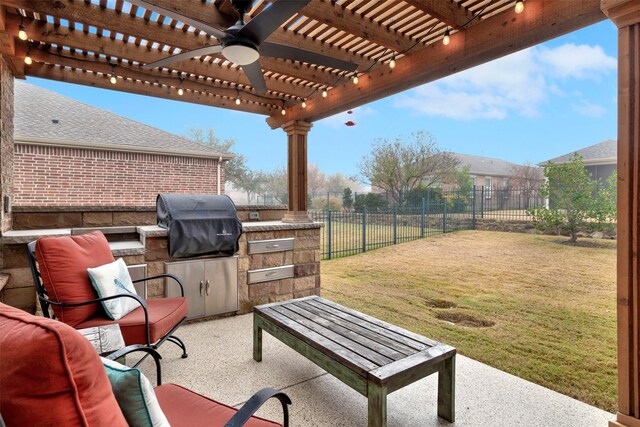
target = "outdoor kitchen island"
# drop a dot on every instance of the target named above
(276, 261)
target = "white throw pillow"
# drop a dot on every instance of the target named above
(113, 279)
(135, 396)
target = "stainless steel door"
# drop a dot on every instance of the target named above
(221, 285)
(191, 274)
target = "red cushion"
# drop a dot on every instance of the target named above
(164, 314)
(51, 375)
(183, 407)
(63, 263)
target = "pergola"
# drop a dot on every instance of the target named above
(92, 42)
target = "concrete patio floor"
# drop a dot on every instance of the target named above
(220, 366)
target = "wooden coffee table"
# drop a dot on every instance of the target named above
(373, 357)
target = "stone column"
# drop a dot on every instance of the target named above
(626, 15)
(6, 143)
(297, 168)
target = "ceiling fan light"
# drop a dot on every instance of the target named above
(240, 54)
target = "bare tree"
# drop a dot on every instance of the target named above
(399, 166)
(276, 183)
(526, 178)
(315, 179)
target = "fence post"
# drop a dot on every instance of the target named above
(422, 220)
(473, 211)
(395, 223)
(482, 203)
(329, 232)
(364, 229)
(444, 215)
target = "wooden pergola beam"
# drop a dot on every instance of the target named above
(444, 10)
(101, 81)
(63, 36)
(498, 36)
(337, 16)
(7, 46)
(162, 80)
(90, 14)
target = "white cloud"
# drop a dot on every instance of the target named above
(519, 83)
(577, 61)
(357, 114)
(589, 109)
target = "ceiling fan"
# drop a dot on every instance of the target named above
(244, 43)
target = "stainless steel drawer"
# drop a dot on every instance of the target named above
(275, 245)
(269, 274)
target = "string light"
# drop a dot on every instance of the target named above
(283, 111)
(113, 78)
(22, 33)
(392, 63)
(519, 6)
(27, 59)
(446, 39)
(238, 101)
(355, 79)
(304, 103)
(180, 90)
(324, 92)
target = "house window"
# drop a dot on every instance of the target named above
(487, 188)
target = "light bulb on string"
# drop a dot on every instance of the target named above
(324, 92)
(519, 6)
(304, 103)
(22, 33)
(283, 112)
(392, 63)
(113, 78)
(355, 79)
(27, 59)
(447, 37)
(238, 101)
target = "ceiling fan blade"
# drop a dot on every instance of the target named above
(208, 50)
(217, 33)
(267, 21)
(254, 74)
(295, 54)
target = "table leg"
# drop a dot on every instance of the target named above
(377, 405)
(447, 390)
(257, 340)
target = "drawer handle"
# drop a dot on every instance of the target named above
(208, 287)
(273, 273)
(201, 284)
(273, 246)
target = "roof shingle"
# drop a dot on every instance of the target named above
(605, 150)
(43, 115)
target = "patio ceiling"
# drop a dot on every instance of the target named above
(84, 42)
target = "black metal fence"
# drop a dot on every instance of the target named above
(373, 220)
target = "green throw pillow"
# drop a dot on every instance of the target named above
(135, 396)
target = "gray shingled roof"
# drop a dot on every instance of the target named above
(82, 124)
(606, 151)
(479, 165)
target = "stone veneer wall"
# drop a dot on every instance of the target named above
(41, 217)
(6, 143)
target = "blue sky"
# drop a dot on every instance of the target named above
(530, 106)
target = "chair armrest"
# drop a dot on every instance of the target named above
(137, 347)
(136, 297)
(160, 276)
(256, 401)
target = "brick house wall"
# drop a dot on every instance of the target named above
(60, 176)
(6, 142)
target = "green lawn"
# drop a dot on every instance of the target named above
(527, 304)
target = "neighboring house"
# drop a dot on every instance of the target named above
(71, 153)
(600, 160)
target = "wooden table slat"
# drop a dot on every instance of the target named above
(376, 333)
(317, 341)
(380, 327)
(348, 333)
(343, 342)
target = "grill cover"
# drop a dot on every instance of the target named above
(199, 225)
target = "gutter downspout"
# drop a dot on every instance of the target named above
(219, 174)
